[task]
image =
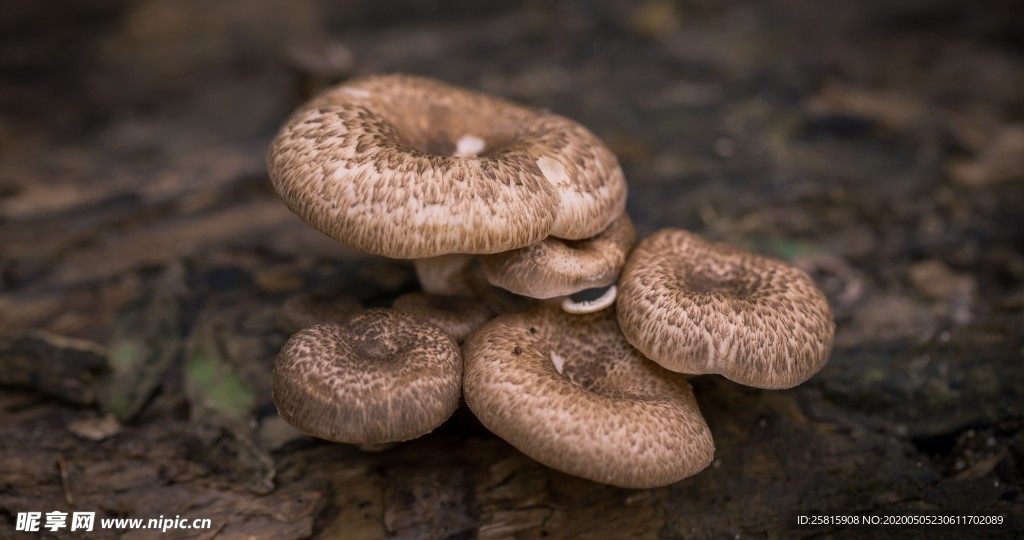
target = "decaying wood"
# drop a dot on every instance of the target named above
(144, 258)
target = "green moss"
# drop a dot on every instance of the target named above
(125, 355)
(219, 386)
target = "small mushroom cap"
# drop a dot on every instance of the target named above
(408, 167)
(571, 393)
(309, 308)
(382, 376)
(702, 307)
(556, 267)
(457, 316)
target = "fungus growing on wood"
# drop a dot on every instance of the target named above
(570, 392)
(408, 167)
(697, 307)
(382, 376)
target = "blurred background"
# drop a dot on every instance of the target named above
(877, 145)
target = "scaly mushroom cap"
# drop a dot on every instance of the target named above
(408, 167)
(382, 376)
(457, 316)
(702, 307)
(557, 267)
(570, 392)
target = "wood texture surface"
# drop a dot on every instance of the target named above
(144, 257)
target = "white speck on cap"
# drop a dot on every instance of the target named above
(469, 146)
(558, 361)
(552, 170)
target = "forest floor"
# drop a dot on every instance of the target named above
(878, 145)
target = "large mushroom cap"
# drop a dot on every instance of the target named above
(382, 376)
(408, 167)
(701, 307)
(557, 267)
(570, 392)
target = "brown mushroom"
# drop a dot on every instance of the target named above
(408, 167)
(382, 376)
(702, 307)
(557, 267)
(570, 392)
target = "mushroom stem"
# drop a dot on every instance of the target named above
(444, 274)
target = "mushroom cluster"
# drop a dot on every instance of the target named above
(515, 220)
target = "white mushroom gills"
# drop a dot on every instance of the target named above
(590, 306)
(469, 146)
